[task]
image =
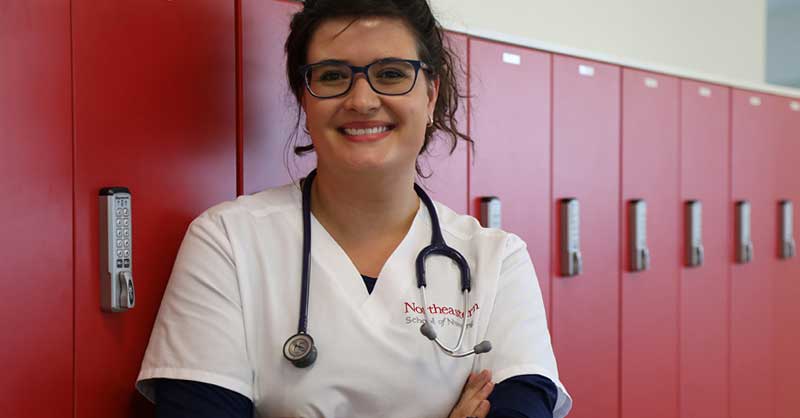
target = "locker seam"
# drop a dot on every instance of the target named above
(237, 5)
(470, 146)
(74, 154)
(620, 238)
(729, 248)
(681, 243)
(551, 212)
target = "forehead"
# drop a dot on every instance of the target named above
(362, 41)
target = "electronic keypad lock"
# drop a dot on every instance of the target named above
(571, 259)
(744, 243)
(490, 212)
(637, 221)
(788, 246)
(694, 233)
(116, 278)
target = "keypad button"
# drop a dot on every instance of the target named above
(126, 233)
(127, 243)
(119, 253)
(119, 212)
(119, 222)
(127, 263)
(119, 263)
(119, 243)
(125, 222)
(119, 233)
(125, 211)
(127, 253)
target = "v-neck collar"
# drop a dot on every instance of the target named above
(330, 256)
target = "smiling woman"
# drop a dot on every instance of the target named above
(375, 82)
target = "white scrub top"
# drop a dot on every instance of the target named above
(233, 299)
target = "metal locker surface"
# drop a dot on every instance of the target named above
(704, 303)
(269, 110)
(786, 292)
(36, 210)
(450, 174)
(154, 112)
(585, 308)
(650, 170)
(754, 178)
(510, 123)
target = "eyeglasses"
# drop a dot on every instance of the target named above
(388, 76)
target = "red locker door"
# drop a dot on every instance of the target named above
(585, 308)
(154, 111)
(705, 176)
(754, 174)
(786, 132)
(36, 210)
(269, 110)
(650, 171)
(510, 123)
(448, 184)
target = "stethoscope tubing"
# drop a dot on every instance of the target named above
(437, 247)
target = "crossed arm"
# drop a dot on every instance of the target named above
(528, 396)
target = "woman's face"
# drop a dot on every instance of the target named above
(337, 125)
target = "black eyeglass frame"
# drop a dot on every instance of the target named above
(354, 70)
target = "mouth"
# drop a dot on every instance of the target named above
(368, 133)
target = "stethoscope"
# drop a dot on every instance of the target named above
(299, 349)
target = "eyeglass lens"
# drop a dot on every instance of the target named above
(386, 77)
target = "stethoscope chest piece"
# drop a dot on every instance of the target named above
(300, 350)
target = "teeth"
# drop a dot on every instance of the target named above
(369, 131)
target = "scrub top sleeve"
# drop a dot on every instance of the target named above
(199, 331)
(517, 326)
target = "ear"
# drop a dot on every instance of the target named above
(433, 95)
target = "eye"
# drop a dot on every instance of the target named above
(391, 73)
(332, 76)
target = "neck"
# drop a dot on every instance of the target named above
(353, 206)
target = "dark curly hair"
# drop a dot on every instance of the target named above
(431, 48)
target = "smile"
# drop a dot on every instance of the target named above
(367, 131)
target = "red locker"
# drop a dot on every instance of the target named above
(786, 131)
(155, 112)
(510, 123)
(754, 178)
(448, 184)
(269, 110)
(36, 210)
(704, 308)
(650, 170)
(585, 308)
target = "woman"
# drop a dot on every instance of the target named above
(375, 82)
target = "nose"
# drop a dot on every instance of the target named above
(361, 98)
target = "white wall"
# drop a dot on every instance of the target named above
(721, 38)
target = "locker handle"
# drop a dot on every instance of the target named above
(645, 254)
(748, 252)
(578, 258)
(699, 253)
(790, 248)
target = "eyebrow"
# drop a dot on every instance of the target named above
(340, 61)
